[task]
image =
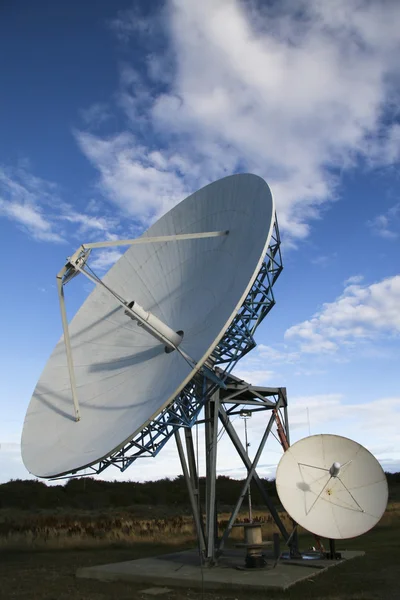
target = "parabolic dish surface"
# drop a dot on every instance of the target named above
(333, 507)
(123, 375)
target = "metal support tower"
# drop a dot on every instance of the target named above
(237, 341)
(220, 406)
(245, 415)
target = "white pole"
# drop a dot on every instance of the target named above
(249, 490)
(161, 238)
(68, 349)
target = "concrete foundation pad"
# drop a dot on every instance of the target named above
(182, 569)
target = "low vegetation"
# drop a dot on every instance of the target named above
(91, 494)
(87, 513)
(44, 529)
(47, 532)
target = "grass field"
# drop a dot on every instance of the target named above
(44, 529)
(36, 563)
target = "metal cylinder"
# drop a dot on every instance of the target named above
(253, 534)
(154, 325)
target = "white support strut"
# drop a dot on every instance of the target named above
(147, 320)
(150, 323)
(68, 349)
(161, 238)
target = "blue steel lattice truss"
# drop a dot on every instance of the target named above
(237, 341)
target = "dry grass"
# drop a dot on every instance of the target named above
(50, 575)
(46, 532)
(40, 552)
(52, 531)
(25, 531)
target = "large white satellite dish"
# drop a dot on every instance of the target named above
(184, 288)
(332, 486)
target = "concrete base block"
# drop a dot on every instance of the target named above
(182, 569)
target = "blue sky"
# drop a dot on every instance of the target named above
(113, 112)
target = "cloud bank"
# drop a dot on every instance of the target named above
(293, 92)
(362, 312)
(35, 205)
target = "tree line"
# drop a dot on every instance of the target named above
(88, 493)
(92, 493)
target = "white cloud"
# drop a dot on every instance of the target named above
(20, 193)
(324, 260)
(31, 219)
(361, 312)
(387, 225)
(258, 367)
(96, 115)
(254, 376)
(90, 226)
(101, 260)
(386, 148)
(316, 410)
(274, 355)
(135, 24)
(143, 183)
(374, 423)
(35, 205)
(281, 90)
(353, 279)
(307, 372)
(367, 422)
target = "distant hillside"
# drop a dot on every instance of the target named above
(88, 493)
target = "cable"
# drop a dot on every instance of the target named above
(223, 430)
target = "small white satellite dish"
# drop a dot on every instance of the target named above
(183, 286)
(332, 486)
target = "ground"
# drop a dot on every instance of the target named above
(42, 574)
